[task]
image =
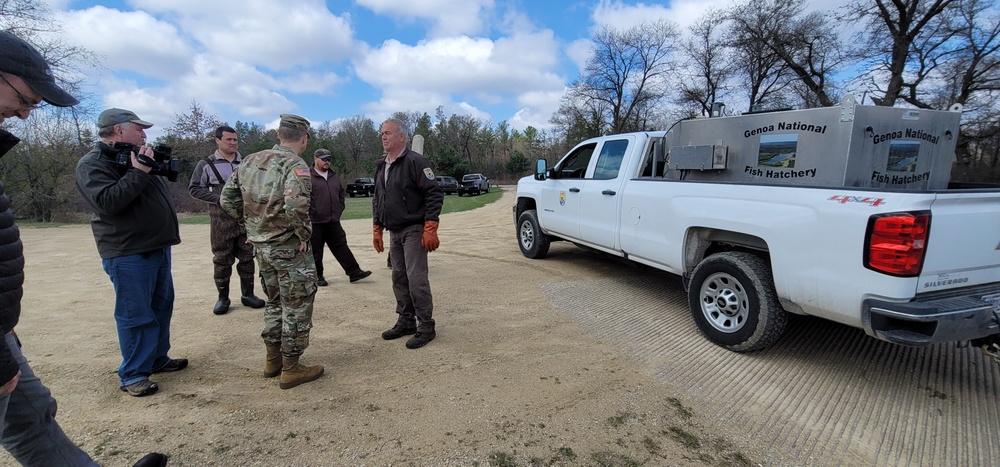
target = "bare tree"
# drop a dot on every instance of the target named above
(627, 73)
(39, 172)
(708, 66)
(356, 138)
(196, 123)
(894, 28)
(974, 67)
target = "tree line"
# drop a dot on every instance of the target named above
(756, 55)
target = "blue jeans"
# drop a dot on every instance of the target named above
(144, 304)
(28, 421)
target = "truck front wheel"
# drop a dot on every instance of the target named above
(733, 302)
(533, 242)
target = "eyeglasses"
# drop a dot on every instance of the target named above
(26, 104)
(326, 159)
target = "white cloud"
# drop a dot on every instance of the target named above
(464, 64)
(448, 17)
(622, 15)
(579, 51)
(133, 41)
(275, 35)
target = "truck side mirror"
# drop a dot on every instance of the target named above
(540, 169)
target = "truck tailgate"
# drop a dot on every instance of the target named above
(964, 245)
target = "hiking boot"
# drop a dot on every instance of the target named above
(293, 373)
(174, 364)
(272, 363)
(420, 339)
(248, 298)
(398, 331)
(140, 388)
(322, 282)
(360, 275)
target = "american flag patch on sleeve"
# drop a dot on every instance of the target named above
(302, 172)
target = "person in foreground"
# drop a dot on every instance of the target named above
(29, 429)
(407, 203)
(134, 225)
(325, 209)
(229, 238)
(269, 192)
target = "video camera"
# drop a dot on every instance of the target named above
(162, 163)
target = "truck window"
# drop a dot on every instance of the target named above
(575, 164)
(610, 159)
(653, 158)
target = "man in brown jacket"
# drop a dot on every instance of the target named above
(328, 195)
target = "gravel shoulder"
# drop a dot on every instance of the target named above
(509, 380)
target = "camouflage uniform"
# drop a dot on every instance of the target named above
(270, 190)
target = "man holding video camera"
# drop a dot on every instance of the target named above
(134, 224)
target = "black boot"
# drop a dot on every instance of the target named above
(248, 298)
(222, 306)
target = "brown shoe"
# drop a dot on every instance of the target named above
(272, 363)
(398, 331)
(293, 373)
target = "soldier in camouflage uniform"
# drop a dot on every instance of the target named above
(270, 192)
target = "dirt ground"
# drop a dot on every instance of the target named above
(509, 380)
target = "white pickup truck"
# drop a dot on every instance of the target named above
(844, 213)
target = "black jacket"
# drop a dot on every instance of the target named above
(133, 212)
(328, 195)
(411, 195)
(11, 271)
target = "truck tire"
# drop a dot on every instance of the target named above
(533, 242)
(733, 302)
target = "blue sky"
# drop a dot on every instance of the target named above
(252, 60)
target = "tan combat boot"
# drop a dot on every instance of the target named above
(293, 373)
(272, 366)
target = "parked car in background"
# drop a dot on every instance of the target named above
(474, 184)
(448, 184)
(361, 187)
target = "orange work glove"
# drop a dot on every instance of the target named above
(377, 238)
(430, 239)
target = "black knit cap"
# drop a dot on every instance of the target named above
(19, 58)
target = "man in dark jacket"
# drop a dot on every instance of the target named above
(407, 203)
(134, 225)
(325, 209)
(29, 430)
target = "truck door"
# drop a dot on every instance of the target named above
(599, 200)
(560, 194)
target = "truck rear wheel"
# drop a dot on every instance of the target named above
(533, 242)
(733, 302)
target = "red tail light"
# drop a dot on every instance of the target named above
(895, 243)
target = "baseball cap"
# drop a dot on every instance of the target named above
(112, 117)
(19, 58)
(323, 154)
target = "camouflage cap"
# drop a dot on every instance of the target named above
(322, 153)
(294, 121)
